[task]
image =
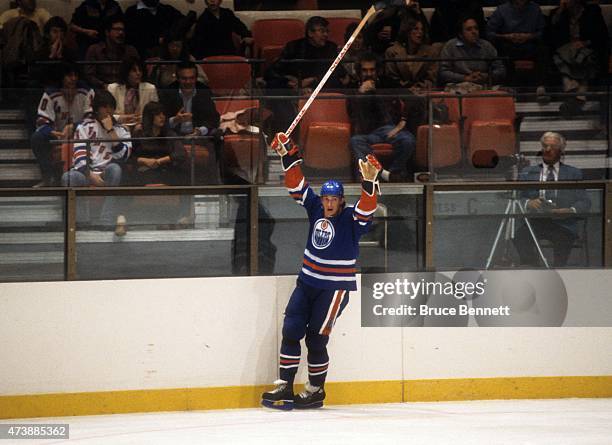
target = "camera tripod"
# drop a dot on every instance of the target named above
(509, 223)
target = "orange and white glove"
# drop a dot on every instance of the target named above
(370, 169)
(287, 150)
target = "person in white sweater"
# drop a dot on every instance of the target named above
(132, 94)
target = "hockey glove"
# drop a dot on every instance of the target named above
(288, 151)
(370, 168)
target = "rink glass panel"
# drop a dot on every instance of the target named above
(32, 236)
(394, 244)
(466, 224)
(168, 235)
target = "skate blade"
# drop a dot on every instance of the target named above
(282, 405)
(311, 406)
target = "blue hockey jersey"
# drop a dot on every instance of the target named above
(330, 257)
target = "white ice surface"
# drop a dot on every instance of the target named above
(550, 422)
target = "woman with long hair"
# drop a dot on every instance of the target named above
(418, 75)
(161, 160)
(131, 93)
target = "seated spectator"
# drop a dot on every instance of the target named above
(99, 165)
(88, 21)
(315, 46)
(516, 28)
(100, 75)
(160, 161)
(302, 76)
(419, 75)
(192, 112)
(579, 37)
(59, 110)
(148, 20)
(468, 44)
(382, 31)
(560, 227)
(29, 10)
(173, 48)
(54, 49)
(447, 14)
(131, 93)
(213, 31)
(377, 119)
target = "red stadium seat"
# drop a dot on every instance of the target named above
(337, 27)
(446, 143)
(490, 124)
(324, 135)
(271, 35)
(219, 78)
(242, 153)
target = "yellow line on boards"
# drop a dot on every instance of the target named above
(338, 393)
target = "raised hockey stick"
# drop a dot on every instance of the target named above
(331, 69)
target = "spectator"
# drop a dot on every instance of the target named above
(59, 110)
(193, 111)
(173, 48)
(302, 76)
(516, 28)
(377, 119)
(98, 165)
(579, 36)
(54, 49)
(448, 13)
(419, 75)
(160, 161)
(29, 10)
(314, 46)
(148, 20)
(88, 21)
(131, 93)
(213, 31)
(384, 28)
(560, 227)
(468, 44)
(114, 49)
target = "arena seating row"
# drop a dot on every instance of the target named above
(488, 125)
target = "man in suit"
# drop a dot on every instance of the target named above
(560, 225)
(193, 112)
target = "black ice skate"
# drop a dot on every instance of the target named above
(280, 397)
(312, 397)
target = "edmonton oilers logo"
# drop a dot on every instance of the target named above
(322, 234)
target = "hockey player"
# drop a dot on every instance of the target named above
(59, 110)
(327, 275)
